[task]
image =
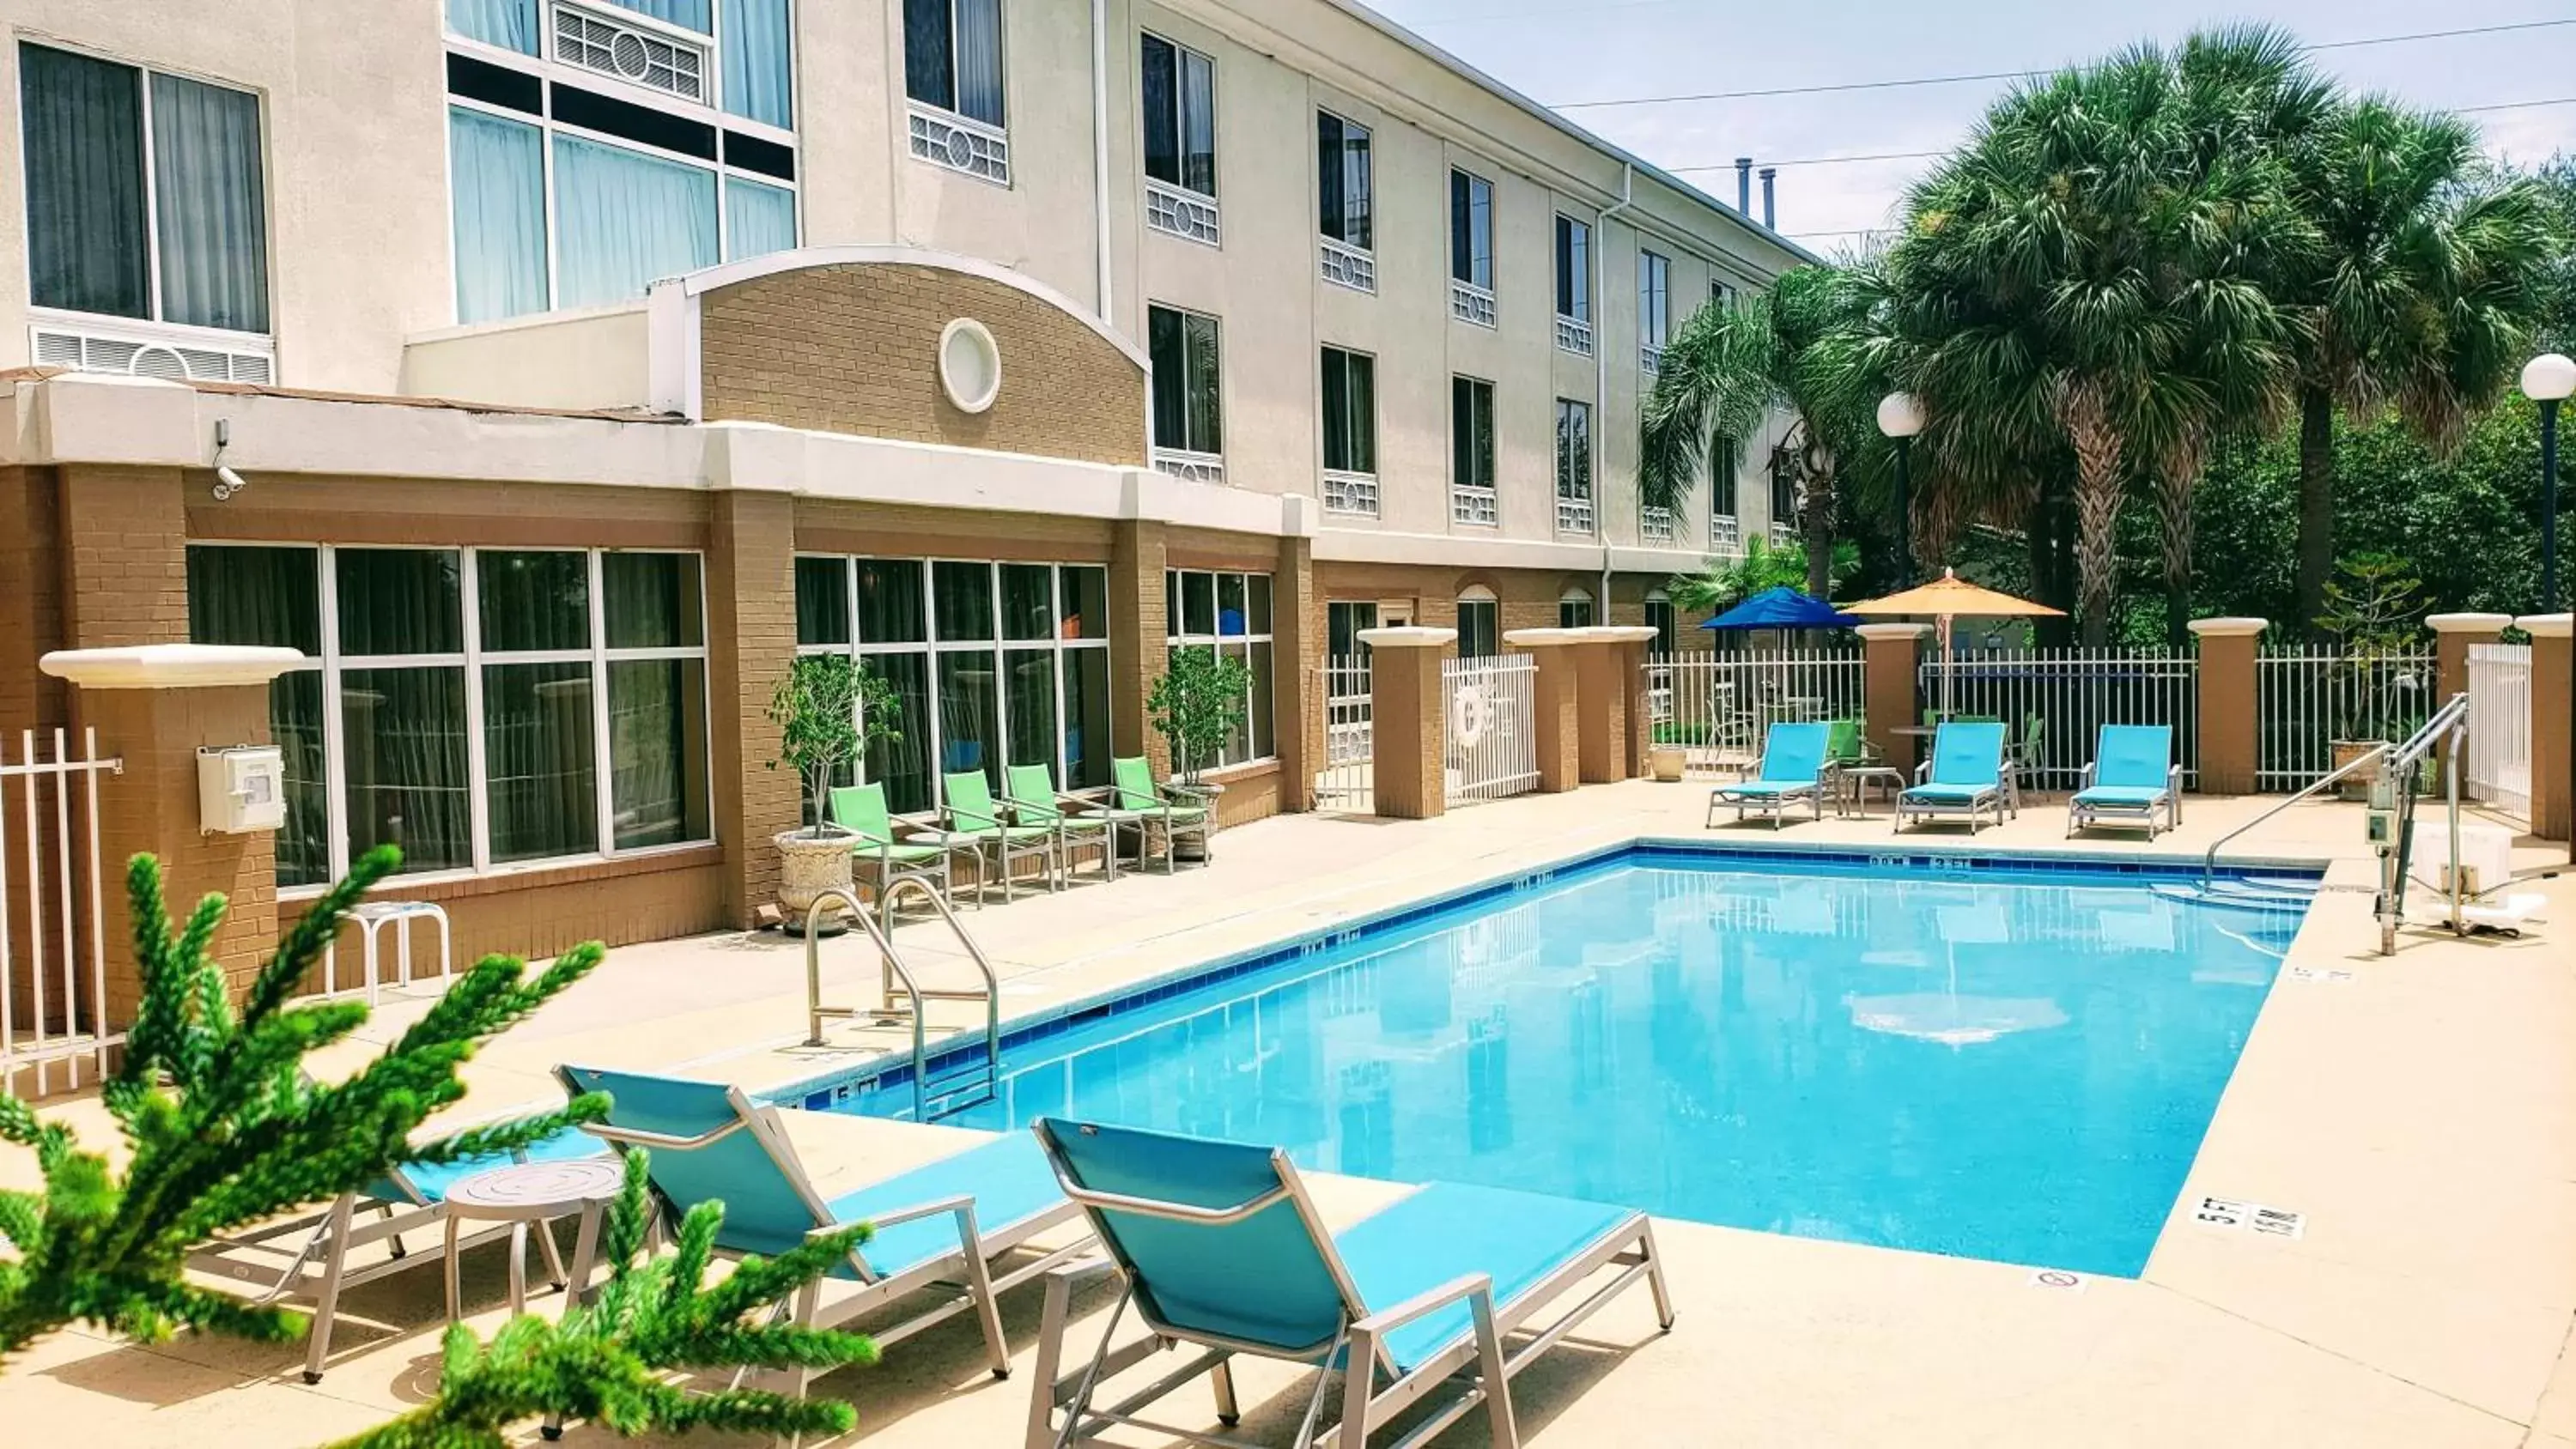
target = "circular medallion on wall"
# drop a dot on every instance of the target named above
(970, 365)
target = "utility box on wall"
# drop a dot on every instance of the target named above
(241, 788)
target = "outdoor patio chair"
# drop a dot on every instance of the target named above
(1033, 799)
(926, 855)
(1172, 810)
(1964, 777)
(2133, 779)
(316, 1247)
(944, 1227)
(2023, 755)
(972, 815)
(1792, 768)
(1217, 1246)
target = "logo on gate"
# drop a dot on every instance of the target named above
(1469, 713)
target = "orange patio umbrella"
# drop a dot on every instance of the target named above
(1944, 599)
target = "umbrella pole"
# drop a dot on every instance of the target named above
(1948, 667)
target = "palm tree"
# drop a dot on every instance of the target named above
(1798, 347)
(2432, 274)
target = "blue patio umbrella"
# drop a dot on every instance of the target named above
(1782, 608)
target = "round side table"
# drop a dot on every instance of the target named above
(532, 1195)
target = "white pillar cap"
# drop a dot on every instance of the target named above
(1891, 631)
(2228, 628)
(1543, 638)
(170, 666)
(2468, 623)
(1410, 636)
(2545, 626)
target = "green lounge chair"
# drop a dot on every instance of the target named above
(929, 856)
(2132, 779)
(1792, 769)
(972, 815)
(1217, 1246)
(1964, 777)
(947, 1226)
(1133, 794)
(1033, 799)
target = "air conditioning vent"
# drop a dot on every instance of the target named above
(637, 56)
(142, 357)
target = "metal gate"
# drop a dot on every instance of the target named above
(2500, 726)
(1344, 783)
(53, 954)
(1488, 708)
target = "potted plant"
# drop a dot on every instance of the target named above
(2370, 609)
(1198, 704)
(829, 712)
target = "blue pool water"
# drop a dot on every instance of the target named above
(2007, 1063)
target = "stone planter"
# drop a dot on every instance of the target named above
(1666, 761)
(1194, 847)
(2355, 786)
(808, 865)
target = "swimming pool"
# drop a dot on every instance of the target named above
(1999, 1059)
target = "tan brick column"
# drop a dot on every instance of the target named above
(751, 619)
(1891, 672)
(2452, 636)
(125, 557)
(2550, 724)
(1296, 653)
(1409, 739)
(2227, 704)
(1553, 693)
(1610, 688)
(1137, 635)
(154, 707)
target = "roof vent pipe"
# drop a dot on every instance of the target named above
(1744, 186)
(1768, 172)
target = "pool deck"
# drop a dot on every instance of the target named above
(2421, 1112)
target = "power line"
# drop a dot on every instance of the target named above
(2004, 75)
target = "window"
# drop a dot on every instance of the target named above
(1180, 116)
(145, 197)
(1342, 181)
(659, 45)
(991, 664)
(1574, 610)
(1573, 466)
(1725, 536)
(1228, 613)
(1659, 617)
(1471, 248)
(1188, 416)
(452, 700)
(1479, 624)
(1784, 492)
(952, 57)
(1350, 432)
(1720, 293)
(1654, 307)
(1573, 270)
(1471, 452)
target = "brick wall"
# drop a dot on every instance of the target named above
(124, 551)
(31, 609)
(751, 627)
(1138, 629)
(854, 349)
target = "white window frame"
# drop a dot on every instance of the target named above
(1476, 505)
(931, 646)
(1573, 329)
(1343, 263)
(1349, 490)
(1477, 596)
(1174, 637)
(1576, 508)
(1573, 596)
(1471, 301)
(997, 137)
(153, 328)
(1192, 464)
(1177, 208)
(471, 658)
(1654, 308)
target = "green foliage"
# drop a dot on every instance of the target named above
(612, 1361)
(2370, 606)
(830, 712)
(1201, 700)
(1723, 583)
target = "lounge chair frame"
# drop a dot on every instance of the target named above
(2083, 814)
(1997, 798)
(1775, 803)
(1359, 1343)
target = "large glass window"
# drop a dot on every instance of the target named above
(1574, 610)
(1350, 411)
(1659, 617)
(145, 196)
(1343, 183)
(1471, 432)
(1654, 298)
(1188, 416)
(1480, 633)
(462, 691)
(1573, 269)
(952, 56)
(1573, 451)
(752, 39)
(991, 664)
(1471, 229)
(1229, 613)
(1180, 116)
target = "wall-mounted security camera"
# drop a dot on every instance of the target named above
(227, 482)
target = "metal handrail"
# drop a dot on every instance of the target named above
(2209, 858)
(816, 1013)
(2398, 856)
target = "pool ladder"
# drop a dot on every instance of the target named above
(969, 1086)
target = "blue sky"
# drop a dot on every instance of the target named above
(1558, 51)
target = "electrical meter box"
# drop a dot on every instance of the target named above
(241, 788)
(2383, 827)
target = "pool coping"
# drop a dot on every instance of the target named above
(819, 1090)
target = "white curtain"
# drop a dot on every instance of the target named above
(688, 14)
(759, 61)
(758, 219)
(623, 219)
(510, 24)
(212, 212)
(499, 195)
(979, 60)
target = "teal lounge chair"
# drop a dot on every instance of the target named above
(1153, 809)
(1031, 794)
(926, 855)
(946, 1226)
(972, 815)
(2132, 779)
(1217, 1246)
(1964, 777)
(315, 1248)
(1792, 769)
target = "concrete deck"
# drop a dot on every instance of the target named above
(2422, 1113)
